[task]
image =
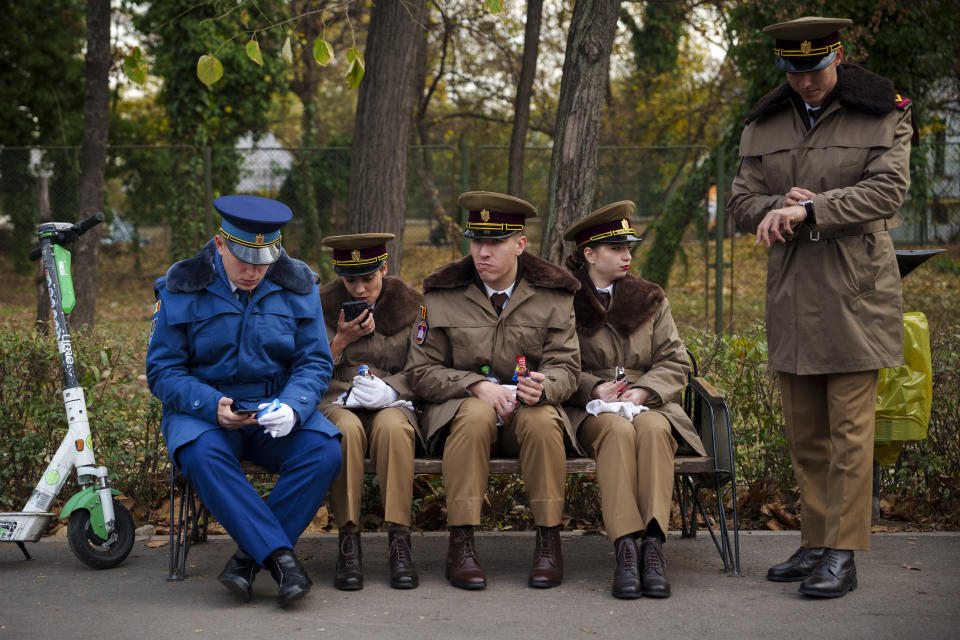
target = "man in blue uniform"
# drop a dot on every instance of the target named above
(239, 358)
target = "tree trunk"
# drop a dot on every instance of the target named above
(93, 156)
(305, 85)
(521, 117)
(573, 163)
(381, 134)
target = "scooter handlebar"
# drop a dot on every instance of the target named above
(70, 234)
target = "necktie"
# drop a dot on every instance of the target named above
(604, 298)
(243, 296)
(814, 113)
(498, 300)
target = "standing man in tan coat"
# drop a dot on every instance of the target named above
(485, 310)
(825, 166)
(376, 414)
(625, 327)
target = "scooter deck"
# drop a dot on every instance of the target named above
(18, 526)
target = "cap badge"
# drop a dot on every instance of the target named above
(805, 47)
(259, 239)
(355, 255)
(625, 224)
(485, 215)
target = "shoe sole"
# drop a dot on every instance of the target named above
(348, 587)
(544, 585)
(237, 590)
(778, 579)
(405, 585)
(820, 594)
(293, 597)
(630, 595)
(655, 594)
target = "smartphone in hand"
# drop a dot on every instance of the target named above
(353, 309)
(242, 412)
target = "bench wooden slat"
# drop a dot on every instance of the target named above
(681, 464)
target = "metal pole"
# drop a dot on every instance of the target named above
(720, 229)
(464, 186)
(208, 191)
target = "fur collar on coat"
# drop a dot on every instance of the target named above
(397, 307)
(199, 272)
(634, 301)
(857, 88)
(534, 270)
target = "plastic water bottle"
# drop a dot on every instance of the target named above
(489, 374)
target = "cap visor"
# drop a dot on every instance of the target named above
(360, 270)
(620, 239)
(473, 234)
(806, 64)
(254, 255)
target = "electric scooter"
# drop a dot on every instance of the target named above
(99, 529)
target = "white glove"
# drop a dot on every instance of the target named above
(373, 393)
(280, 422)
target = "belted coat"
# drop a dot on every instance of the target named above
(385, 351)
(463, 332)
(833, 292)
(204, 345)
(636, 332)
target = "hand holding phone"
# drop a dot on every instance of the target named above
(353, 309)
(242, 412)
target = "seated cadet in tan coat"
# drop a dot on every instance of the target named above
(374, 421)
(486, 309)
(625, 322)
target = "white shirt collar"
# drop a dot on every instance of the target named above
(607, 289)
(508, 291)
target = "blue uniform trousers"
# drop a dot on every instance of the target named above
(306, 462)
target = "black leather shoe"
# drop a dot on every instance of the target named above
(798, 567)
(463, 564)
(290, 575)
(403, 573)
(653, 566)
(833, 576)
(238, 575)
(626, 579)
(349, 563)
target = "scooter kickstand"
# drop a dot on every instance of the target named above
(25, 552)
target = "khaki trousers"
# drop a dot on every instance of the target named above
(634, 469)
(535, 436)
(829, 424)
(390, 438)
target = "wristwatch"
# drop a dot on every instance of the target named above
(808, 205)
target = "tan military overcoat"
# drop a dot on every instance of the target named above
(637, 332)
(466, 333)
(833, 303)
(385, 351)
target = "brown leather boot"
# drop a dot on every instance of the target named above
(652, 569)
(547, 569)
(463, 565)
(349, 575)
(403, 573)
(626, 579)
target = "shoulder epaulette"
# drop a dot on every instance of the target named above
(901, 102)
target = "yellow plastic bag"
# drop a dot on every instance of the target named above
(905, 394)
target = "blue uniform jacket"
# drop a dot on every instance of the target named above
(204, 344)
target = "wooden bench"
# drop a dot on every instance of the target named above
(706, 407)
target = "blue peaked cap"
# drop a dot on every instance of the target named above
(251, 226)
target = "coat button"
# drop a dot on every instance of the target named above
(303, 398)
(196, 403)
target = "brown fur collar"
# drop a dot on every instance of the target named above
(534, 270)
(635, 301)
(397, 308)
(857, 88)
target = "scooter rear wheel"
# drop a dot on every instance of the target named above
(93, 550)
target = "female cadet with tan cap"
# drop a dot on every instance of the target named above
(625, 326)
(375, 415)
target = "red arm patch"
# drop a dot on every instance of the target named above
(901, 102)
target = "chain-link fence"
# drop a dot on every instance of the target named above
(172, 187)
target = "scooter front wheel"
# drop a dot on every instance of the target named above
(93, 550)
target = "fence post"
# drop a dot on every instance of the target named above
(464, 186)
(208, 191)
(720, 231)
